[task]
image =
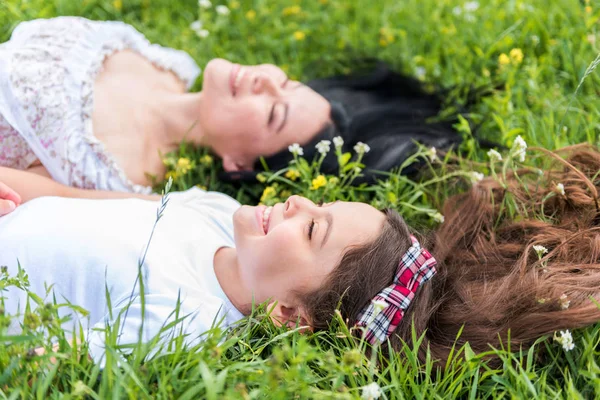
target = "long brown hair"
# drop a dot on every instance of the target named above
(490, 279)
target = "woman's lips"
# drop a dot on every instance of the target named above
(259, 212)
(234, 71)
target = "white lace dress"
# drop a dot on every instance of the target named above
(47, 74)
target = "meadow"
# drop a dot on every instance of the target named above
(537, 57)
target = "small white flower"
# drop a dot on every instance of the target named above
(338, 142)
(564, 302)
(296, 149)
(420, 72)
(457, 11)
(518, 148)
(566, 340)
(379, 305)
(196, 26)
(476, 176)
(432, 154)
(494, 155)
(540, 250)
(323, 146)
(535, 39)
(437, 217)
(361, 148)
(471, 6)
(371, 392)
(470, 18)
(223, 10)
(202, 33)
(205, 3)
(560, 189)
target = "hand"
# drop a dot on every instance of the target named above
(9, 199)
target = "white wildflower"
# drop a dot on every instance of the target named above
(564, 302)
(518, 148)
(470, 18)
(361, 148)
(471, 6)
(323, 146)
(540, 250)
(494, 155)
(223, 10)
(560, 189)
(196, 26)
(378, 305)
(296, 149)
(338, 142)
(535, 39)
(371, 392)
(205, 3)
(457, 10)
(432, 154)
(202, 33)
(437, 217)
(565, 339)
(420, 72)
(476, 176)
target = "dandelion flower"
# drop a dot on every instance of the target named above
(223, 10)
(564, 302)
(293, 10)
(318, 182)
(250, 15)
(437, 217)
(323, 146)
(503, 59)
(565, 339)
(361, 148)
(494, 155)
(560, 189)
(204, 4)
(540, 250)
(299, 35)
(296, 149)
(516, 55)
(371, 392)
(338, 142)
(206, 160)
(268, 193)
(292, 174)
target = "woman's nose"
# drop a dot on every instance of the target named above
(264, 83)
(294, 204)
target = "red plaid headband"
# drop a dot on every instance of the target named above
(383, 314)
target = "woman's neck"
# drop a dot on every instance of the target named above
(180, 116)
(227, 271)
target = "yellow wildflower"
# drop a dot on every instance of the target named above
(293, 10)
(285, 194)
(588, 9)
(391, 197)
(183, 165)
(118, 4)
(261, 178)
(171, 174)
(292, 174)
(299, 35)
(516, 55)
(234, 5)
(250, 15)
(318, 182)
(334, 181)
(201, 187)
(323, 2)
(386, 36)
(503, 59)
(206, 160)
(268, 193)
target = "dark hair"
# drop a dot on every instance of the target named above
(384, 109)
(490, 283)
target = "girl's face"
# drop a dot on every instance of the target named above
(252, 111)
(292, 247)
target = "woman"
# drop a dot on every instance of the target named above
(95, 105)
(531, 277)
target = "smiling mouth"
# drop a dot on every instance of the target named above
(266, 219)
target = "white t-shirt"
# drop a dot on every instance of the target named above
(85, 246)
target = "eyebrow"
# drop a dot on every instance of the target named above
(329, 219)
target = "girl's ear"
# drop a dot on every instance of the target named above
(292, 317)
(231, 165)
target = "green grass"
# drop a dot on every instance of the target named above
(534, 98)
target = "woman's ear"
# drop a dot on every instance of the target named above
(292, 316)
(231, 165)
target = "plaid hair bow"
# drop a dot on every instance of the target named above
(385, 311)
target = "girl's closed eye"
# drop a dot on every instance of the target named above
(310, 229)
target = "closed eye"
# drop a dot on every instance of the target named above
(311, 226)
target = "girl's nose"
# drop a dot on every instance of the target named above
(264, 83)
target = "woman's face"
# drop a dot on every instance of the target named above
(292, 247)
(252, 111)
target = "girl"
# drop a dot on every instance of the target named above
(486, 274)
(94, 105)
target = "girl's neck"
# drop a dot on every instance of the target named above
(227, 271)
(180, 116)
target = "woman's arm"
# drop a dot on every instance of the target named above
(30, 186)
